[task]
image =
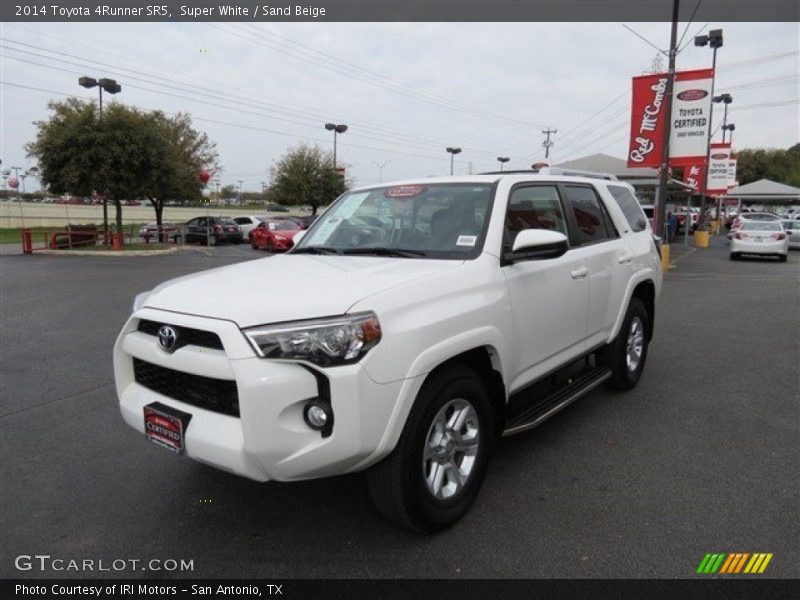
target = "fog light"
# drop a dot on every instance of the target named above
(317, 415)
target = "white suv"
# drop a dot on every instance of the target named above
(412, 325)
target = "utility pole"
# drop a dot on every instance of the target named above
(547, 143)
(663, 171)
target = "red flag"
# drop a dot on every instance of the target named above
(648, 120)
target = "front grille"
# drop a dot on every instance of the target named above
(218, 395)
(186, 335)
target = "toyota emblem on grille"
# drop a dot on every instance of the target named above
(167, 338)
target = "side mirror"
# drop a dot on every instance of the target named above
(298, 236)
(538, 244)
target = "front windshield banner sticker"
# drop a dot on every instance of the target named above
(466, 240)
(404, 191)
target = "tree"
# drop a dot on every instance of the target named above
(305, 175)
(80, 152)
(180, 154)
(778, 165)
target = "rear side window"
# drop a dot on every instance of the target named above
(533, 207)
(242, 220)
(590, 217)
(630, 207)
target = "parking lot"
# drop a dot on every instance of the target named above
(703, 456)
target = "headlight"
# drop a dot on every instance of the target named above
(325, 342)
(140, 299)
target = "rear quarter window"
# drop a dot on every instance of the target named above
(630, 207)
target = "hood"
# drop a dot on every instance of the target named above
(289, 287)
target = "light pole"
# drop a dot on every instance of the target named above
(239, 195)
(380, 168)
(109, 85)
(453, 152)
(502, 160)
(335, 129)
(713, 39)
(112, 87)
(729, 127)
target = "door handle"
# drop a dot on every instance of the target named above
(624, 259)
(579, 273)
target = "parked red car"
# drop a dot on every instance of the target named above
(274, 235)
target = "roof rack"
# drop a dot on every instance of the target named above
(557, 171)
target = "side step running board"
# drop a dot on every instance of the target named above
(546, 407)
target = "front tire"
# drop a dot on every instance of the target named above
(782, 257)
(435, 472)
(627, 354)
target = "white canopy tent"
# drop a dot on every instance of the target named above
(764, 192)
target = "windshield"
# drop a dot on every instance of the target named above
(761, 226)
(420, 220)
(281, 225)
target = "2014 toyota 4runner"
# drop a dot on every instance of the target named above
(410, 327)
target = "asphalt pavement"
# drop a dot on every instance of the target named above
(703, 456)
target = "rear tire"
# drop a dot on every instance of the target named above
(734, 256)
(435, 472)
(627, 354)
(782, 257)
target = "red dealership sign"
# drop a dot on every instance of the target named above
(694, 174)
(648, 120)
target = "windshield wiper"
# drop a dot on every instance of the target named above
(315, 250)
(382, 251)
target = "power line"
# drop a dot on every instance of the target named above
(251, 127)
(399, 140)
(330, 64)
(279, 109)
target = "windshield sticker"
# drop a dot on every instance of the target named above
(347, 207)
(322, 233)
(467, 240)
(403, 192)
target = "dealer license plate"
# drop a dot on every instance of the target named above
(166, 426)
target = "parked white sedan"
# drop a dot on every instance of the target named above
(792, 229)
(765, 238)
(248, 223)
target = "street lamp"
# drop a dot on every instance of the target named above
(335, 129)
(502, 160)
(726, 99)
(380, 168)
(453, 152)
(714, 40)
(729, 127)
(239, 195)
(112, 87)
(109, 85)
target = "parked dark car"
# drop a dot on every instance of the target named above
(275, 207)
(304, 222)
(212, 230)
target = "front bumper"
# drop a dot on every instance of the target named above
(270, 439)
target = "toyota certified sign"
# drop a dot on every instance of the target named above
(691, 115)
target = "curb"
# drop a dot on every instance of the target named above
(107, 252)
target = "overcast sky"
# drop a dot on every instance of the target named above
(406, 90)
